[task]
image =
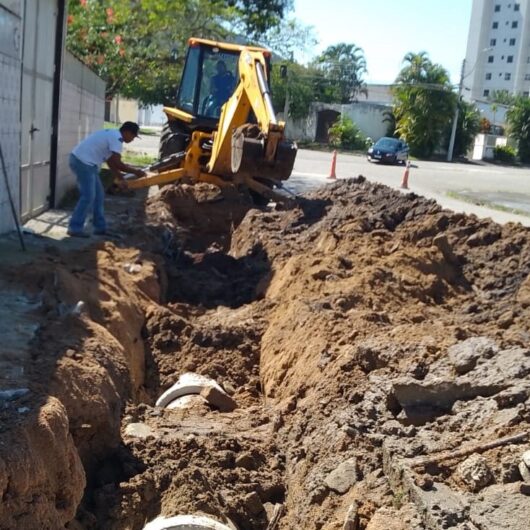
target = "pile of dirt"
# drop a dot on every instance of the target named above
(365, 335)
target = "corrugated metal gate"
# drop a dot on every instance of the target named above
(40, 24)
(10, 39)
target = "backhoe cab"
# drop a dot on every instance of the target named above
(223, 129)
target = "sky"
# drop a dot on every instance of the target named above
(389, 29)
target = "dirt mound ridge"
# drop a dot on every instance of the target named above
(369, 286)
(362, 334)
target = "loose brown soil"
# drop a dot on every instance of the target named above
(332, 325)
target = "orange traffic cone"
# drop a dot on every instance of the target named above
(332, 173)
(405, 181)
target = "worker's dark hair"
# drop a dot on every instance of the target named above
(130, 126)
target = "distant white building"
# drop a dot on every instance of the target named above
(498, 49)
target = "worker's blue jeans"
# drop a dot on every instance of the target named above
(91, 197)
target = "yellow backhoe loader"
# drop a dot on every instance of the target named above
(223, 129)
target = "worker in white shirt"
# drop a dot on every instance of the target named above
(85, 161)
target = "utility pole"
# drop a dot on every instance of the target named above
(457, 113)
(284, 73)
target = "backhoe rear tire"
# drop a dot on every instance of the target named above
(172, 140)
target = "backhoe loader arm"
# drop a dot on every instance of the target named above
(252, 94)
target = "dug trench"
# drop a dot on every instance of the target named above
(375, 344)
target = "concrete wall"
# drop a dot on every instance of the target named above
(10, 75)
(81, 113)
(485, 144)
(368, 117)
(378, 93)
(122, 109)
(152, 115)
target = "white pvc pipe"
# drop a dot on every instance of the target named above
(185, 522)
(187, 384)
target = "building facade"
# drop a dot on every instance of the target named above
(49, 101)
(498, 49)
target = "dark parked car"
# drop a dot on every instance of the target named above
(389, 150)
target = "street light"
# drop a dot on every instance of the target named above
(457, 110)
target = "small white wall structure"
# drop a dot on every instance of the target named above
(368, 116)
(152, 115)
(485, 145)
(120, 109)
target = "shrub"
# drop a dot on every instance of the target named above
(504, 153)
(518, 118)
(346, 135)
(485, 126)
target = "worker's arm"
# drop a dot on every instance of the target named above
(117, 166)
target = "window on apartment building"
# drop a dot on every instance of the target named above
(527, 77)
(512, 42)
(493, 42)
(526, 94)
(490, 59)
(486, 93)
(507, 77)
(488, 77)
(497, 8)
(495, 25)
(515, 24)
(510, 59)
(516, 7)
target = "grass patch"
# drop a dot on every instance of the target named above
(145, 132)
(137, 159)
(148, 132)
(484, 202)
(313, 146)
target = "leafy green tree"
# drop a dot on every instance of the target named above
(485, 126)
(341, 70)
(132, 45)
(298, 85)
(467, 128)
(259, 15)
(288, 37)
(518, 118)
(390, 120)
(424, 103)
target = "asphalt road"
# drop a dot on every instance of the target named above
(504, 186)
(507, 187)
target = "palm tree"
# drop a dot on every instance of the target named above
(494, 109)
(423, 103)
(343, 67)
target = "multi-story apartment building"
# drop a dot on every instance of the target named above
(498, 49)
